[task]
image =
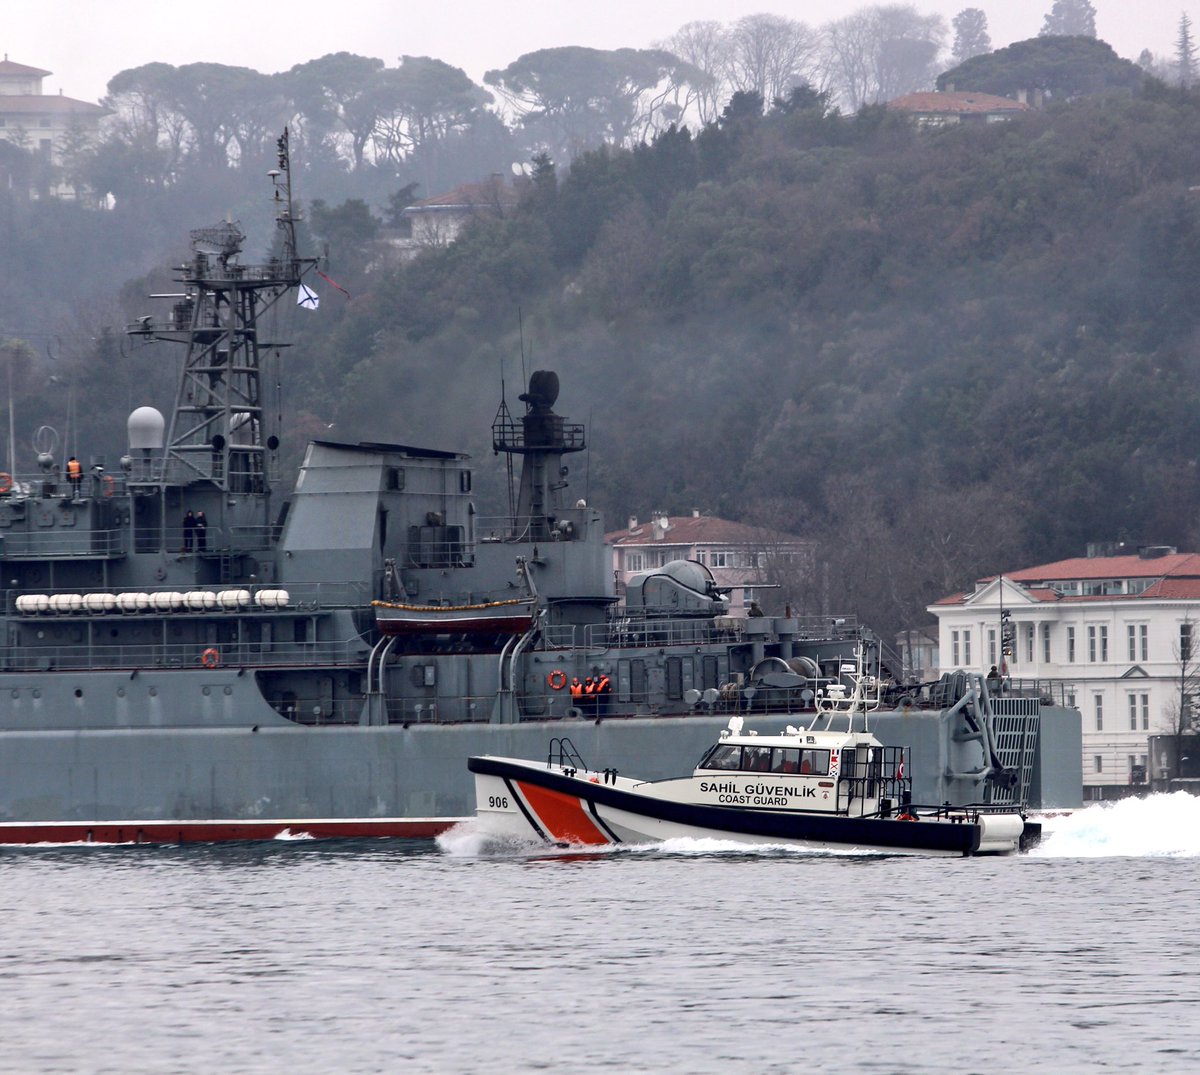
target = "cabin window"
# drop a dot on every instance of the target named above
(815, 762)
(756, 759)
(395, 478)
(723, 756)
(785, 760)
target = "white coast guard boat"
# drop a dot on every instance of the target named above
(829, 785)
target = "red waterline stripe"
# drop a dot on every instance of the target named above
(188, 832)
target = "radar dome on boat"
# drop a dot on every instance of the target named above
(146, 427)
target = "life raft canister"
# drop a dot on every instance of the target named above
(557, 679)
(109, 484)
(210, 658)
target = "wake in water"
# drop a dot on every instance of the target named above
(465, 840)
(1161, 826)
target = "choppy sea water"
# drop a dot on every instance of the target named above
(300, 956)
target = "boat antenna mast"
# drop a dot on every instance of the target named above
(217, 431)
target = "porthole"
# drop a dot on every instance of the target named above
(153, 692)
(37, 692)
(228, 690)
(78, 692)
(120, 692)
(206, 690)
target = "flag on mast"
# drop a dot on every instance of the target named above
(307, 298)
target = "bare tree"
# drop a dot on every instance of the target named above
(1181, 714)
(769, 55)
(704, 45)
(882, 52)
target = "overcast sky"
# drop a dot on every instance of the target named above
(86, 42)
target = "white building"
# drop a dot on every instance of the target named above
(1104, 633)
(41, 122)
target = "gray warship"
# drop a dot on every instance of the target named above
(191, 652)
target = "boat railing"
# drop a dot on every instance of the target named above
(81, 656)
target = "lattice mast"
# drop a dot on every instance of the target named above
(218, 427)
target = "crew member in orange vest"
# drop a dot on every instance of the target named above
(589, 693)
(603, 690)
(74, 475)
(576, 693)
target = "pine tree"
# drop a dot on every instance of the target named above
(1070, 18)
(970, 34)
(1185, 52)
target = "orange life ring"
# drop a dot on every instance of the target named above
(210, 658)
(905, 817)
(557, 679)
(5, 482)
(109, 484)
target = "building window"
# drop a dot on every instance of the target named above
(1070, 645)
(1103, 643)
(719, 559)
(634, 561)
(1185, 643)
(1029, 643)
(966, 649)
(1145, 712)
(954, 648)
(1133, 710)
(1098, 763)
(1098, 706)
(1046, 642)
(991, 644)
(1092, 644)
(1070, 699)
(1139, 641)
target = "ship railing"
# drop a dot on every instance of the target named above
(231, 599)
(496, 528)
(62, 542)
(456, 709)
(245, 654)
(96, 483)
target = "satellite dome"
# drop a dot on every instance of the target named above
(146, 426)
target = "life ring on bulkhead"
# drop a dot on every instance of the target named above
(557, 679)
(210, 658)
(906, 817)
(109, 484)
(5, 483)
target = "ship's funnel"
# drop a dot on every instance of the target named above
(146, 427)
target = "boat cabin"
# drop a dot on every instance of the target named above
(848, 773)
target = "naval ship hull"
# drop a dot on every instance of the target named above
(200, 756)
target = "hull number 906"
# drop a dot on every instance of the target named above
(498, 802)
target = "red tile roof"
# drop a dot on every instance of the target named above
(7, 67)
(33, 104)
(957, 104)
(1177, 577)
(492, 193)
(700, 530)
(1110, 567)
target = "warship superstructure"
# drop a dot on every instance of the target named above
(189, 653)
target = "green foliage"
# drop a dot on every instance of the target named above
(1062, 67)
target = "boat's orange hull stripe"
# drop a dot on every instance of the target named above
(562, 816)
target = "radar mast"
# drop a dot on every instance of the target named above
(217, 431)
